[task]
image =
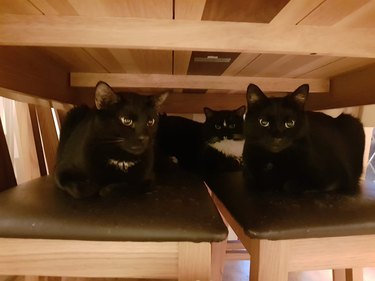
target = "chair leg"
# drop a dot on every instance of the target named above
(349, 274)
(268, 260)
(218, 260)
(194, 261)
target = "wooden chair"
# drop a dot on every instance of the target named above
(169, 233)
(284, 234)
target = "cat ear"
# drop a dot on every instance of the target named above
(105, 96)
(299, 96)
(241, 111)
(254, 95)
(208, 112)
(159, 99)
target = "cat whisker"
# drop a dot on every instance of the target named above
(110, 141)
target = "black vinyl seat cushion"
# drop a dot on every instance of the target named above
(178, 208)
(283, 216)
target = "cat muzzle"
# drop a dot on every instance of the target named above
(277, 145)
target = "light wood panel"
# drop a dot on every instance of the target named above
(186, 10)
(332, 11)
(337, 67)
(73, 258)
(184, 261)
(242, 10)
(21, 7)
(27, 163)
(196, 82)
(362, 17)
(48, 135)
(185, 35)
(75, 59)
(295, 10)
(7, 177)
(194, 261)
(317, 12)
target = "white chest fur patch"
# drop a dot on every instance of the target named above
(121, 165)
(231, 148)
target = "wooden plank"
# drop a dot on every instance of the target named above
(351, 89)
(107, 59)
(185, 35)
(37, 140)
(295, 10)
(194, 261)
(196, 82)
(41, 76)
(362, 17)
(330, 12)
(31, 99)
(188, 10)
(75, 59)
(337, 67)
(48, 135)
(240, 63)
(21, 7)
(72, 258)
(242, 10)
(332, 252)
(123, 8)
(218, 254)
(269, 260)
(143, 61)
(27, 162)
(7, 177)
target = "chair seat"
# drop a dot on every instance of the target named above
(179, 208)
(311, 215)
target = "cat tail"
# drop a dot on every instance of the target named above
(352, 130)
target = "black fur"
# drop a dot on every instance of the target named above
(289, 149)
(193, 143)
(109, 146)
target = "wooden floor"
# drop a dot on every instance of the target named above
(239, 271)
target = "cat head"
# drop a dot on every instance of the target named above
(275, 123)
(127, 120)
(223, 124)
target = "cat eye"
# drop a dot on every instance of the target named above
(151, 122)
(290, 124)
(232, 126)
(217, 126)
(264, 123)
(127, 122)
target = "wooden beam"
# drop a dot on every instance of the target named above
(68, 31)
(349, 89)
(35, 100)
(267, 84)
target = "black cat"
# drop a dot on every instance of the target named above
(289, 149)
(213, 146)
(109, 146)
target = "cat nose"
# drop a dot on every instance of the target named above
(143, 138)
(277, 140)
